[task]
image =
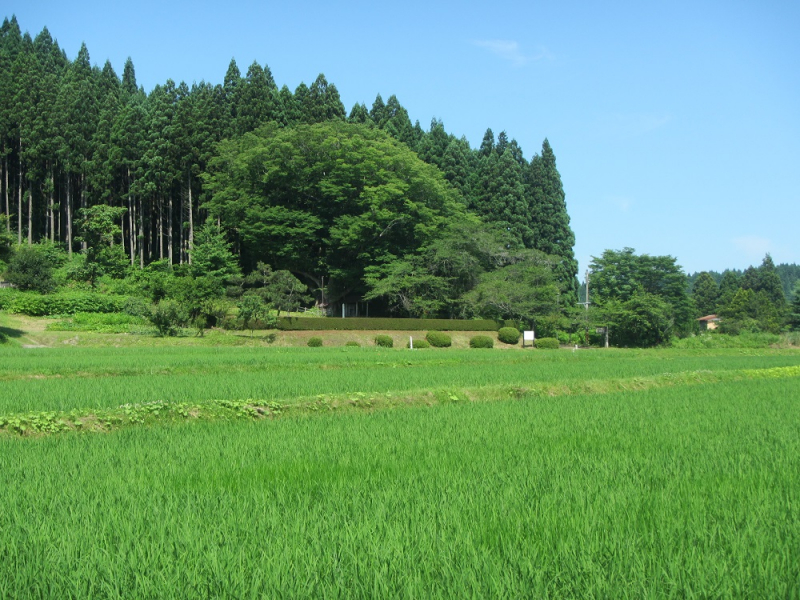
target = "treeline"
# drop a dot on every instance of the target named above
(789, 274)
(74, 136)
(752, 300)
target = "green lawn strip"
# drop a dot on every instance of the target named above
(50, 422)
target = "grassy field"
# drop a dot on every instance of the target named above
(397, 473)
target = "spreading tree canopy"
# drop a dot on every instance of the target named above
(327, 200)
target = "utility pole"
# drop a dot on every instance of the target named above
(586, 307)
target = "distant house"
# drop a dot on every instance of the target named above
(708, 323)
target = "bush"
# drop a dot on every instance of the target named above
(546, 343)
(481, 341)
(168, 316)
(136, 306)
(315, 342)
(368, 323)
(437, 339)
(353, 344)
(418, 344)
(508, 335)
(384, 341)
(31, 268)
(64, 303)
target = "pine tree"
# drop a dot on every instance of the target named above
(794, 309)
(705, 294)
(548, 218)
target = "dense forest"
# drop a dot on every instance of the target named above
(244, 191)
(75, 136)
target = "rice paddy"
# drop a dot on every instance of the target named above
(397, 473)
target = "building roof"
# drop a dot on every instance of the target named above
(709, 318)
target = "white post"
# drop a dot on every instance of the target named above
(411, 342)
(343, 310)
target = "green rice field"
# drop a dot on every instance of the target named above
(372, 473)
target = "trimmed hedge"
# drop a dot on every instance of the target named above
(384, 324)
(384, 341)
(481, 341)
(419, 343)
(353, 344)
(508, 335)
(547, 343)
(62, 303)
(315, 342)
(437, 339)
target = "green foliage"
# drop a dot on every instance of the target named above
(549, 221)
(644, 320)
(481, 341)
(64, 303)
(419, 344)
(282, 290)
(101, 323)
(525, 291)
(711, 341)
(794, 309)
(547, 343)
(99, 230)
(384, 341)
(508, 335)
(619, 275)
(438, 339)
(314, 342)
(6, 241)
(31, 268)
(352, 344)
(705, 294)
(367, 323)
(749, 310)
(168, 316)
(211, 254)
(253, 311)
(327, 199)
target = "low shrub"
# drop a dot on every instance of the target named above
(384, 324)
(64, 303)
(100, 323)
(546, 343)
(314, 342)
(384, 341)
(481, 341)
(168, 317)
(723, 340)
(353, 344)
(508, 335)
(418, 343)
(437, 339)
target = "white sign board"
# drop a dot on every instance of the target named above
(527, 336)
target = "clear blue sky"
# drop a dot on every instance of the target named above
(676, 126)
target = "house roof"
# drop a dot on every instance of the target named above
(709, 318)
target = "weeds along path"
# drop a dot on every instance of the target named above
(132, 414)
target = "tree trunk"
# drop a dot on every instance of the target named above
(30, 216)
(19, 198)
(141, 236)
(8, 214)
(131, 221)
(52, 206)
(169, 230)
(83, 204)
(160, 228)
(191, 222)
(68, 210)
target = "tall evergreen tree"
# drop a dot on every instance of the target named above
(548, 218)
(705, 294)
